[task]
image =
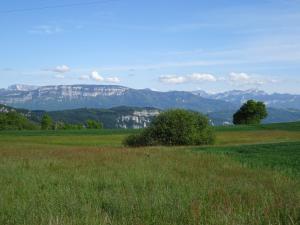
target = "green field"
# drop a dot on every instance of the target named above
(251, 176)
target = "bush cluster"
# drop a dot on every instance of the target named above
(15, 121)
(175, 127)
(48, 124)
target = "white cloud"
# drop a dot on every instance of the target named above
(112, 80)
(242, 79)
(246, 79)
(172, 79)
(97, 77)
(202, 77)
(60, 69)
(195, 77)
(239, 77)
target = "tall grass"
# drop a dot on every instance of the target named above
(143, 186)
(283, 157)
(114, 138)
(292, 126)
(74, 177)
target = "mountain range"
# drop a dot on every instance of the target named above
(67, 102)
(237, 97)
(62, 97)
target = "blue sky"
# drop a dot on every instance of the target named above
(163, 45)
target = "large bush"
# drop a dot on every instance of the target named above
(252, 112)
(15, 121)
(175, 127)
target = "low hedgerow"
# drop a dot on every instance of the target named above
(175, 127)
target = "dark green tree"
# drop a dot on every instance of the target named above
(93, 124)
(15, 121)
(175, 127)
(252, 112)
(46, 123)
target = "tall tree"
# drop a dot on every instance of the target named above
(46, 123)
(93, 124)
(252, 112)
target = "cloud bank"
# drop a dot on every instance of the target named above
(59, 69)
(95, 76)
(195, 77)
(233, 78)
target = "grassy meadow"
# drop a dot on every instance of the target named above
(251, 176)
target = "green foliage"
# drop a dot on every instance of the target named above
(93, 124)
(46, 123)
(108, 117)
(65, 126)
(251, 112)
(15, 121)
(141, 139)
(175, 127)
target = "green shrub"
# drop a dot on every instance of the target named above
(15, 121)
(145, 138)
(93, 124)
(175, 127)
(252, 112)
(46, 123)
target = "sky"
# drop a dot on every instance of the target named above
(215, 46)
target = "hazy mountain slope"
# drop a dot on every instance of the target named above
(106, 96)
(237, 98)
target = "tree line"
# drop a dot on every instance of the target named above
(163, 127)
(48, 124)
(16, 121)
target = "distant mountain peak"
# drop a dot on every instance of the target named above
(274, 100)
(241, 92)
(201, 93)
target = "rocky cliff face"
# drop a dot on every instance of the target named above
(137, 120)
(63, 97)
(17, 94)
